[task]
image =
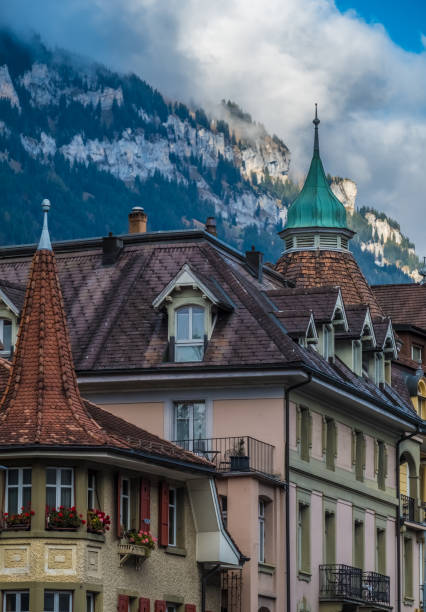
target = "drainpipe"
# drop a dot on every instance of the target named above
(398, 520)
(287, 480)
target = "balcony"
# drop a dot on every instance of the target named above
(235, 454)
(340, 582)
(407, 507)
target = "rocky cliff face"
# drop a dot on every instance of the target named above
(345, 190)
(81, 134)
(133, 153)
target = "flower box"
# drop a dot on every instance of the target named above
(98, 522)
(63, 519)
(240, 463)
(17, 527)
(126, 551)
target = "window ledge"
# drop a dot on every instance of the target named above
(174, 550)
(266, 568)
(304, 575)
(59, 535)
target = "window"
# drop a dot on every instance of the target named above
(380, 551)
(6, 334)
(18, 489)
(359, 544)
(329, 538)
(305, 433)
(190, 424)
(171, 608)
(16, 601)
(261, 519)
(190, 330)
(408, 567)
(57, 601)
(331, 446)
(303, 538)
(381, 464)
(379, 369)
(59, 487)
(416, 353)
(357, 357)
(172, 517)
(125, 503)
(223, 500)
(91, 491)
(328, 342)
(359, 455)
(90, 602)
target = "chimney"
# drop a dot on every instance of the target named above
(137, 220)
(255, 262)
(211, 226)
(111, 249)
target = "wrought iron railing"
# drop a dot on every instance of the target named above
(235, 454)
(231, 587)
(407, 508)
(344, 582)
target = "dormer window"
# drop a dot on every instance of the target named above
(190, 331)
(6, 335)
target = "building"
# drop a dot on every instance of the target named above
(283, 378)
(70, 469)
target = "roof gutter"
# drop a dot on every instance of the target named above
(133, 453)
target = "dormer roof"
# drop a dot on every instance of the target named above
(188, 278)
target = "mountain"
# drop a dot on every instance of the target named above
(96, 143)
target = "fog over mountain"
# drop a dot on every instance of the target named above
(275, 64)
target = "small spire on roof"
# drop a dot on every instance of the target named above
(316, 123)
(45, 243)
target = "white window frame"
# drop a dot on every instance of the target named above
(173, 513)
(357, 357)
(56, 598)
(261, 521)
(90, 599)
(18, 600)
(20, 486)
(189, 341)
(91, 490)
(191, 437)
(58, 486)
(122, 497)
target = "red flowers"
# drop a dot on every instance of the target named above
(20, 520)
(98, 521)
(63, 518)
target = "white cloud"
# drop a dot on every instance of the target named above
(275, 59)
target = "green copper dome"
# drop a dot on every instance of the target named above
(316, 205)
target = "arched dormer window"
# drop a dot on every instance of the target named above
(190, 332)
(421, 399)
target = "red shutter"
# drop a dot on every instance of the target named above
(118, 528)
(123, 603)
(163, 526)
(145, 505)
(190, 608)
(144, 605)
(160, 606)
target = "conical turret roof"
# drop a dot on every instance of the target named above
(42, 402)
(316, 205)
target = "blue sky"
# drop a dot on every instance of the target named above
(405, 21)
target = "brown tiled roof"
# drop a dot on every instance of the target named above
(404, 304)
(114, 327)
(320, 300)
(41, 402)
(295, 321)
(336, 268)
(14, 292)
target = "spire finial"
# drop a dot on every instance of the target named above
(45, 238)
(316, 123)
